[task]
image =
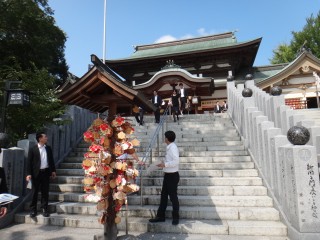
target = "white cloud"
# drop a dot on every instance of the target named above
(165, 38)
(202, 32)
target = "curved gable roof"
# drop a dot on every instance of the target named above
(99, 88)
(303, 62)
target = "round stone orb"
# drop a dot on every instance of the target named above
(4, 140)
(249, 77)
(276, 91)
(230, 78)
(298, 135)
(247, 92)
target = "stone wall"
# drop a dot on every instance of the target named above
(290, 171)
(61, 138)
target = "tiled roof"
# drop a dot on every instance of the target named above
(263, 72)
(186, 46)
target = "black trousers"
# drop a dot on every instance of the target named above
(169, 188)
(139, 116)
(157, 114)
(41, 182)
(183, 101)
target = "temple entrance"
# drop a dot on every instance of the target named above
(312, 102)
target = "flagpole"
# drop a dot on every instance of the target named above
(104, 31)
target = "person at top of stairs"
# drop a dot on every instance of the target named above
(171, 179)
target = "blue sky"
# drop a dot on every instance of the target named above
(138, 22)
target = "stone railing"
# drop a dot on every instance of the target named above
(62, 139)
(275, 137)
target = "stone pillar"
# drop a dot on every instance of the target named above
(275, 103)
(249, 112)
(302, 182)
(270, 170)
(277, 154)
(258, 138)
(253, 138)
(246, 103)
(283, 119)
(263, 146)
(302, 187)
(294, 119)
(12, 160)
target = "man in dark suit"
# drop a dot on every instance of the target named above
(183, 97)
(224, 107)
(3, 189)
(40, 167)
(217, 108)
(157, 101)
(138, 114)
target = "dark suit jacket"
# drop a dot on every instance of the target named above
(159, 101)
(34, 161)
(3, 183)
(216, 110)
(185, 92)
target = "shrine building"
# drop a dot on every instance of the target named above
(203, 65)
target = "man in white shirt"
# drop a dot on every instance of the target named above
(40, 168)
(183, 97)
(171, 179)
(156, 100)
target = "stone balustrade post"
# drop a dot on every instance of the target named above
(246, 103)
(248, 113)
(257, 136)
(253, 138)
(283, 120)
(270, 168)
(275, 103)
(294, 119)
(263, 145)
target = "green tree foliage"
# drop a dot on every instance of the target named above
(43, 108)
(32, 51)
(308, 38)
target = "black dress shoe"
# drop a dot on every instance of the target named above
(45, 214)
(157, 219)
(33, 214)
(175, 221)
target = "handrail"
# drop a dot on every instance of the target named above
(148, 152)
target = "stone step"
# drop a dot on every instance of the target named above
(208, 173)
(214, 227)
(195, 181)
(199, 148)
(229, 159)
(216, 201)
(198, 138)
(63, 174)
(186, 166)
(183, 126)
(185, 212)
(182, 190)
(186, 143)
(194, 134)
(211, 190)
(196, 154)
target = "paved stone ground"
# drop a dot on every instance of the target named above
(47, 232)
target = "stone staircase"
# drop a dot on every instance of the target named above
(312, 114)
(220, 192)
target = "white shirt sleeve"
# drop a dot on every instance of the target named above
(172, 158)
